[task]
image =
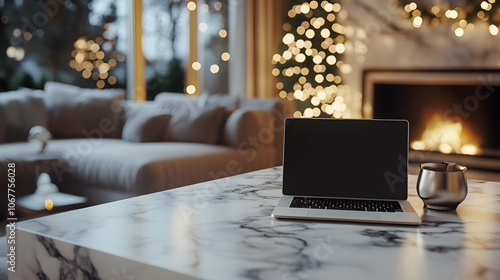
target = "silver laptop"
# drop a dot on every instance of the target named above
(346, 170)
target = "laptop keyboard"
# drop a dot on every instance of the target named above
(346, 204)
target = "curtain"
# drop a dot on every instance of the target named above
(264, 34)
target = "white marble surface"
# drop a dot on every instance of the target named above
(224, 230)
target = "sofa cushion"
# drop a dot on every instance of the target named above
(175, 97)
(205, 101)
(191, 122)
(196, 125)
(149, 167)
(146, 127)
(217, 100)
(249, 129)
(132, 108)
(77, 112)
(20, 110)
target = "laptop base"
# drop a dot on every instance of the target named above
(408, 217)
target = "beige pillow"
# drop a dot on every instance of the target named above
(219, 100)
(195, 124)
(249, 129)
(145, 127)
(190, 121)
(132, 108)
(76, 112)
(20, 110)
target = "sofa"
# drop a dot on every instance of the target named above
(112, 148)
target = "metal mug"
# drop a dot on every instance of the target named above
(442, 186)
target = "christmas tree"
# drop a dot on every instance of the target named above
(310, 57)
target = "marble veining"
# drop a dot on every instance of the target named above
(223, 229)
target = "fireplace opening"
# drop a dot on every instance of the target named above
(453, 115)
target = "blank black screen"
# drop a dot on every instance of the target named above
(346, 158)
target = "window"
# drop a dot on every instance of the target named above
(86, 42)
(213, 41)
(78, 42)
(165, 45)
(185, 46)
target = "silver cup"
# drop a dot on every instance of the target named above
(442, 186)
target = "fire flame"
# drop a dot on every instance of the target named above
(444, 136)
(49, 204)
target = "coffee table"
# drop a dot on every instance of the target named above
(223, 229)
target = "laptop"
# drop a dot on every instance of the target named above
(346, 170)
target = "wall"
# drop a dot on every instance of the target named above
(380, 37)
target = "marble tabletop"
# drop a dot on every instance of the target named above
(223, 229)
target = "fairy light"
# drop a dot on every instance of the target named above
(203, 27)
(310, 61)
(190, 89)
(191, 6)
(493, 30)
(4, 19)
(196, 66)
(225, 56)
(214, 68)
(89, 58)
(223, 33)
(459, 32)
(460, 18)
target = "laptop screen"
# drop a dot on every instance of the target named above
(346, 158)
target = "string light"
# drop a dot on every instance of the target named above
(16, 53)
(462, 18)
(217, 6)
(4, 19)
(223, 33)
(214, 68)
(191, 6)
(190, 89)
(225, 56)
(203, 27)
(309, 63)
(196, 66)
(89, 59)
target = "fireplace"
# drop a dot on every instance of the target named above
(454, 115)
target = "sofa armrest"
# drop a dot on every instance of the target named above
(249, 129)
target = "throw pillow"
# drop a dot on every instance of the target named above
(219, 100)
(174, 97)
(20, 110)
(146, 127)
(195, 124)
(191, 122)
(247, 128)
(132, 108)
(76, 112)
